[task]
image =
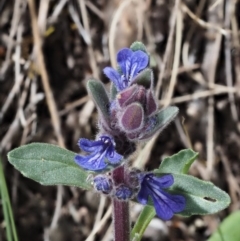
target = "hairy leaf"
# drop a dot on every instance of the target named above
(49, 165)
(98, 92)
(178, 163)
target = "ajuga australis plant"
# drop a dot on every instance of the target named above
(128, 115)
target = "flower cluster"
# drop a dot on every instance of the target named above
(128, 115)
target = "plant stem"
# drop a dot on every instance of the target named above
(121, 219)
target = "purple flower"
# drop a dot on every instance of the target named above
(130, 63)
(102, 153)
(166, 205)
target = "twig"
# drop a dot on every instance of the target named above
(100, 224)
(82, 31)
(11, 95)
(182, 69)
(112, 31)
(169, 47)
(42, 16)
(49, 97)
(19, 7)
(12, 130)
(108, 235)
(200, 94)
(99, 214)
(144, 154)
(210, 66)
(95, 10)
(176, 58)
(57, 11)
(202, 23)
(211, 8)
(183, 133)
(93, 62)
(236, 45)
(186, 44)
(232, 180)
(228, 60)
(89, 106)
(73, 105)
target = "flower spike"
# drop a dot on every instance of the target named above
(102, 153)
(166, 205)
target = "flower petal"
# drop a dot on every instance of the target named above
(94, 162)
(139, 61)
(165, 181)
(113, 157)
(124, 60)
(114, 76)
(166, 204)
(162, 208)
(176, 202)
(90, 146)
(143, 195)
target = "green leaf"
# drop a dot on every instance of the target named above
(178, 163)
(144, 78)
(138, 46)
(49, 165)
(98, 92)
(142, 222)
(228, 229)
(113, 91)
(11, 232)
(201, 197)
(163, 118)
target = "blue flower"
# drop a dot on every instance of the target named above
(123, 192)
(166, 205)
(103, 183)
(130, 63)
(102, 153)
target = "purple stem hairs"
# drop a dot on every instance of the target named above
(132, 116)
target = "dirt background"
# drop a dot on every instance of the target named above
(49, 49)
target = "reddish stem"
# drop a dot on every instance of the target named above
(121, 219)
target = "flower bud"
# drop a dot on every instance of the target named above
(103, 183)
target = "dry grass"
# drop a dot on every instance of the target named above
(47, 52)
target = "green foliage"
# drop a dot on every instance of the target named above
(144, 78)
(7, 209)
(164, 117)
(98, 92)
(147, 214)
(49, 165)
(228, 229)
(178, 163)
(113, 91)
(138, 46)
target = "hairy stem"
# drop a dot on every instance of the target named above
(121, 219)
